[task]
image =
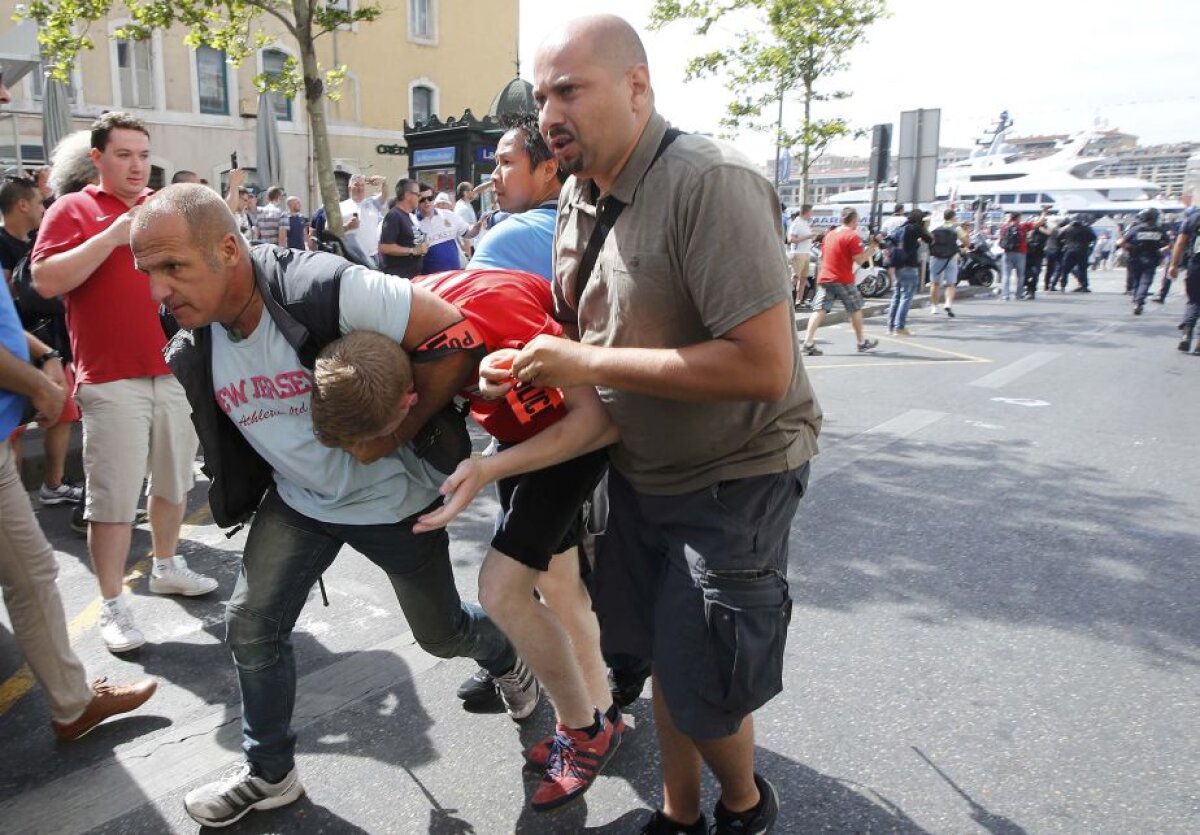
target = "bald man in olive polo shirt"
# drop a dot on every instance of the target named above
(687, 331)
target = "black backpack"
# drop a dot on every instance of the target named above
(1011, 240)
(894, 253)
(945, 242)
(33, 307)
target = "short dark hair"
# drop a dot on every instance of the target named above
(402, 186)
(14, 190)
(425, 187)
(184, 176)
(274, 193)
(807, 207)
(114, 120)
(848, 214)
(532, 142)
(899, 210)
(949, 214)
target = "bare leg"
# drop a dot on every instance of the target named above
(680, 765)
(934, 292)
(165, 520)
(949, 295)
(856, 322)
(564, 592)
(506, 594)
(108, 543)
(57, 438)
(814, 322)
(731, 759)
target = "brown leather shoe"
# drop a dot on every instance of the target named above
(109, 700)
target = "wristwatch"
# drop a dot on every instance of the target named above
(46, 357)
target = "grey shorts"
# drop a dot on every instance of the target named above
(832, 291)
(697, 584)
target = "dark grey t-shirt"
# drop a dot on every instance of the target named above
(697, 251)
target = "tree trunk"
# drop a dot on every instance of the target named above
(806, 149)
(314, 103)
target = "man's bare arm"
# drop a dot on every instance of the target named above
(753, 361)
(62, 272)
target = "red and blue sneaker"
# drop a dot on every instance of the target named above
(573, 763)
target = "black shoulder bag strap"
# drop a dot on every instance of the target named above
(610, 209)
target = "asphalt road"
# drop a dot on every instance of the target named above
(995, 625)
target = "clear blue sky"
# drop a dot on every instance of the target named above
(1056, 67)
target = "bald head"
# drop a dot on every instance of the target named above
(203, 212)
(592, 86)
(606, 40)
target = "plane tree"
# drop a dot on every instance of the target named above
(234, 26)
(781, 47)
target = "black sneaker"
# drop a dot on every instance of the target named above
(626, 683)
(811, 350)
(78, 524)
(1185, 345)
(867, 345)
(660, 824)
(519, 690)
(479, 689)
(725, 823)
(1137, 310)
(1159, 300)
(950, 313)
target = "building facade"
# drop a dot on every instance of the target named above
(420, 58)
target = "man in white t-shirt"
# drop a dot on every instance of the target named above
(445, 232)
(799, 240)
(362, 216)
(464, 208)
(319, 498)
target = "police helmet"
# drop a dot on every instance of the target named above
(1148, 216)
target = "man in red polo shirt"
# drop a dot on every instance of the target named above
(136, 419)
(840, 250)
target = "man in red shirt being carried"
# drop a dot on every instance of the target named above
(136, 419)
(840, 250)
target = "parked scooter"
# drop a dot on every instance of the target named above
(979, 267)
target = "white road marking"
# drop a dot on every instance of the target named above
(870, 442)
(1020, 401)
(1003, 376)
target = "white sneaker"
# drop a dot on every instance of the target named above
(933, 309)
(174, 577)
(519, 690)
(62, 494)
(225, 801)
(118, 630)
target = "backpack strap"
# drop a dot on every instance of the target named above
(306, 308)
(610, 209)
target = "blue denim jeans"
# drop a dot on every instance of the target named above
(1012, 262)
(285, 554)
(902, 296)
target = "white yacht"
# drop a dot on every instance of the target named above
(1011, 183)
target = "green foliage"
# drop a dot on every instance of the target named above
(782, 47)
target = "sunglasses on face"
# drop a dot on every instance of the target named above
(425, 200)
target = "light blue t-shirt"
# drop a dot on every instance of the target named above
(260, 383)
(522, 241)
(12, 339)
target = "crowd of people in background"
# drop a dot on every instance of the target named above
(1044, 252)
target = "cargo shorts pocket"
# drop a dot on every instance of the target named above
(746, 615)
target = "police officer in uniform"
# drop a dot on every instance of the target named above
(1144, 242)
(1186, 254)
(1076, 241)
